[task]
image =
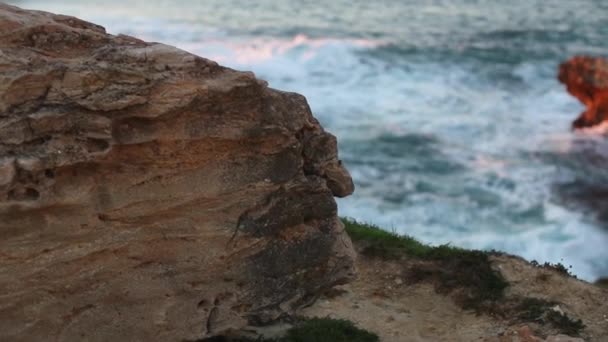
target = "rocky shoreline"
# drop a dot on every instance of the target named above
(150, 194)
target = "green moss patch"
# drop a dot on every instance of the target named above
(378, 242)
(328, 330)
(315, 329)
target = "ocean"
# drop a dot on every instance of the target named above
(448, 112)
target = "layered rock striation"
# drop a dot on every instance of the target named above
(150, 194)
(587, 79)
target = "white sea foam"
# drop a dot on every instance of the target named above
(597, 130)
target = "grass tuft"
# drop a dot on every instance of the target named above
(565, 324)
(328, 330)
(314, 329)
(533, 309)
(541, 311)
(379, 242)
(559, 267)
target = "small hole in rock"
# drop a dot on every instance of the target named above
(203, 303)
(41, 140)
(27, 194)
(97, 145)
(49, 173)
(31, 194)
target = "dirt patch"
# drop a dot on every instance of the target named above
(406, 291)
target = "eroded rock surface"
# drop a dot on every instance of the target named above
(587, 79)
(149, 194)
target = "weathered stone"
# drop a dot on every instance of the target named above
(7, 171)
(147, 194)
(587, 79)
(563, 338)
(525, 334)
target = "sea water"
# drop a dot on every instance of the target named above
(448, 112)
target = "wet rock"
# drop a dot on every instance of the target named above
(150, 194)
(587, 79)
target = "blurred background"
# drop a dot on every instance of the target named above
(448, 112)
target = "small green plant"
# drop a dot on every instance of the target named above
(379, 242)
(565, 324)
(558, 267)
(328, 330)
(541, 311)
(533, 309)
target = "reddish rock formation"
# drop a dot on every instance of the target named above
(147, 194)
(587, 79)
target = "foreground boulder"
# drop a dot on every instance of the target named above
(147, 194)
(587, 79)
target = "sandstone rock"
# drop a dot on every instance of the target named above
(587, 79)
(525, 334)
(563, 338)
(147, 194)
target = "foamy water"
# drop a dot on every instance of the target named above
(449, 115)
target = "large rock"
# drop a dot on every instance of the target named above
(587, 79)
(147, 194)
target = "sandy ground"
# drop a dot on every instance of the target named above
(381, 300)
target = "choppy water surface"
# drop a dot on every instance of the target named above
(448, 113)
